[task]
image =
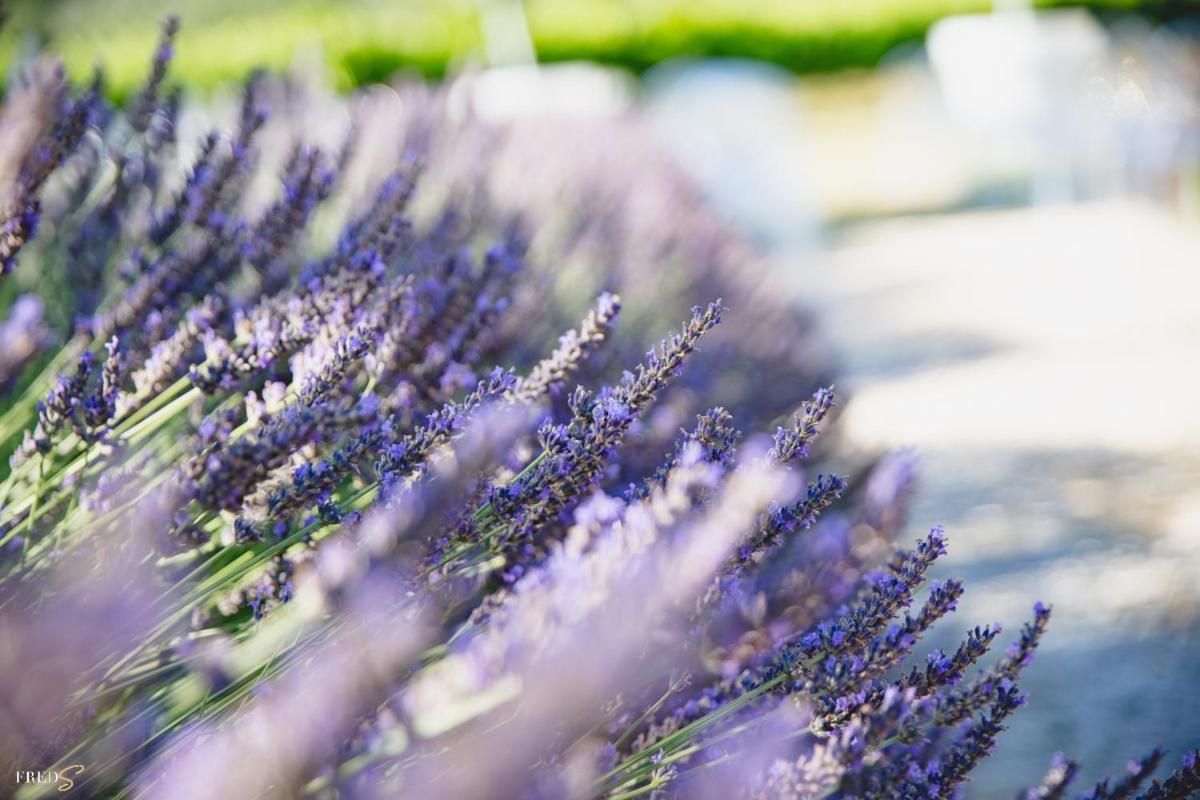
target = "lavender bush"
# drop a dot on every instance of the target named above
(276, 525)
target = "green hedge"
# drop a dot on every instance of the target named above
(368, 40)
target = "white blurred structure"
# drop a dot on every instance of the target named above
(1054, 97)
(719, 117)
(573, 90)
(1018, 81)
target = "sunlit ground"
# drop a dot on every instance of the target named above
(1042, 363)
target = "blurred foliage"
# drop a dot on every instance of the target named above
(368, 40)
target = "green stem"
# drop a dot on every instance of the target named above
(16, 418)
(685, 733)
(157, 402)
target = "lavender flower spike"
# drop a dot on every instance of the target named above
(1183, 783)
(22, 336)
(1056, 782)
(960, 703)
(1139, 772)
(792, 443)
(149, 99)
(573, 347)
(977, 743)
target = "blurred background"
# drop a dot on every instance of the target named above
(993, 211)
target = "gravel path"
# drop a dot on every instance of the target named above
(1044, 364)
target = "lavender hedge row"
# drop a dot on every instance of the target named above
(310, 495)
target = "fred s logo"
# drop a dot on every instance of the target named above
(63, 778)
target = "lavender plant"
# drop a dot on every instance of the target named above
(312, 506)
